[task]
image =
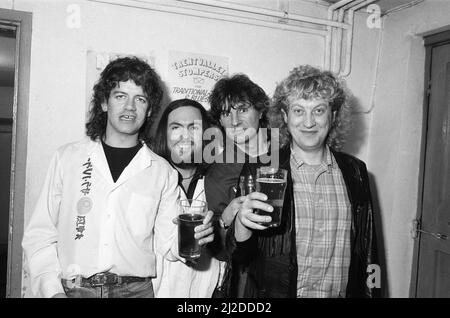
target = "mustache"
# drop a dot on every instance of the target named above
(184, 142)
(182, 156)
(183, 147)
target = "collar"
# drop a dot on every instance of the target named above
(142, 160)
(329, 162)
(198, 173)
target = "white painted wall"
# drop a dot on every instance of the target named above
(58, 62)
(396, 129)
(361, 84)
(386, 138)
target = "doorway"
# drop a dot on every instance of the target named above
(7, 69)
(433, 225)
(15, 52)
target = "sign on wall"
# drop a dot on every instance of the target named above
(193, 75)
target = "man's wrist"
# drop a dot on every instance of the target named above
(227, 217)
(241, 232)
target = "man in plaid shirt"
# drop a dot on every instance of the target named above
(326, 241)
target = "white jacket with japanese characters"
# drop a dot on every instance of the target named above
(85, 223)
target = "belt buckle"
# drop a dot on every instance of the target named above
(98, 280)
(101, 279)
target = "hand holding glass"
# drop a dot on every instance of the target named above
(192, 214)
(272, 182)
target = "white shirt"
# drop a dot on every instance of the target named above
(84, 223)
(178, 280)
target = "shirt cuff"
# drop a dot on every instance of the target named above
(247, 244)
(50, 285)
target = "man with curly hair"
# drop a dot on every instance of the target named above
(239, 107)
(326, 240)
(108, 201)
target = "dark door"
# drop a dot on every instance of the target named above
(7, 57)
(433, 273)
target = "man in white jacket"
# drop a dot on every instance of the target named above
(107, 199)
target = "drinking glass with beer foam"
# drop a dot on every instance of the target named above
(272, 182)
(192, 214)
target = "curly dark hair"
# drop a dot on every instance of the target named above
(229, 91)
(307, 82)
(122, 70)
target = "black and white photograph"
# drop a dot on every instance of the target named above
(225, 154)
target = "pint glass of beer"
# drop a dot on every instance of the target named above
(272, 182)
(192, 214)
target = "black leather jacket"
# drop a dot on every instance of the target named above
(270, 255)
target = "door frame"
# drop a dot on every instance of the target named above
(430, 41)
(23, 23)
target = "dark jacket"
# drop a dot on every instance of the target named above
(222, 186)
(270, 255)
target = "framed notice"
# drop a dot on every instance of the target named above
(193, 75)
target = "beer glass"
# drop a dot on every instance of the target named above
(192, 214)
(272, 182)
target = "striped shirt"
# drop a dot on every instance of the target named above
(323, 222)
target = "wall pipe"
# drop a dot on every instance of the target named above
(268, 12)
(344, 5)
(172, 6)
(348, 53)
(168, 6)
(402, 7)
(338, 47)
(375, 75)
(328, 39)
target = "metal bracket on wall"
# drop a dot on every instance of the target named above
(416, 229)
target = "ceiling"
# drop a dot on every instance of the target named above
(385, 5)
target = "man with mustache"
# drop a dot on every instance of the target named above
(179, 139)
(108, 198)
